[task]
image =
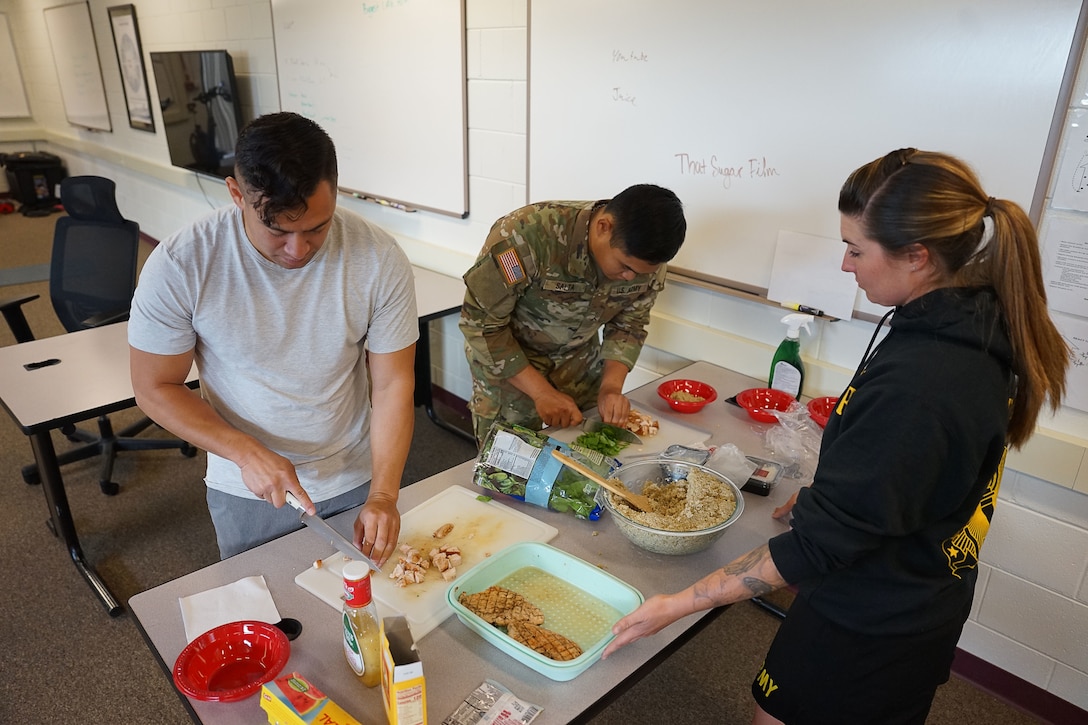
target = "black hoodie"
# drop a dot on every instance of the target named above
(886, 539)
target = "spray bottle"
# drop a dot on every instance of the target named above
(787, 370)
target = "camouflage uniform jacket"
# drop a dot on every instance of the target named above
(535, 296)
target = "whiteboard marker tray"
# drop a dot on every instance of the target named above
(480, 529)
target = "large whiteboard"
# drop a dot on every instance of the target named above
(386, 80)
(754, 113)
(13, 103)
(76, 57)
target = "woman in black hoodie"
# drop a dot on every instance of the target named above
(884, 545)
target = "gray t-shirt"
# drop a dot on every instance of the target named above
(281, 352)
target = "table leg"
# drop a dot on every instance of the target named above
(60, 515)
(424, 394)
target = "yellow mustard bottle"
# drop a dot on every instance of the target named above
(361, 629)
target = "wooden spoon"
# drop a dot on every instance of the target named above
(635, 499)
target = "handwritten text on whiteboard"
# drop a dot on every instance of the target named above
(752, 168)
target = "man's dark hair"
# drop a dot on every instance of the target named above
(280, 159)
(648, 223)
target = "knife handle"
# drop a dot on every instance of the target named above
(294, 503)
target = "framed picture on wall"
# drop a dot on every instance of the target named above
(130, 58)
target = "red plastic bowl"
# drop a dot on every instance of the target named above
(704, 391)
(759, 401)
(819, 409)
(232, 661)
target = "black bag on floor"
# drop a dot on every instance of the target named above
(34, 177)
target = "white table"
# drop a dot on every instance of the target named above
(455, 659)
(437, 295)
(92, 379)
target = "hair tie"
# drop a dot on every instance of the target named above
(986, 236)
(989, 212)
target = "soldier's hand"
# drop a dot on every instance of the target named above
(558, 410)
(614, 408)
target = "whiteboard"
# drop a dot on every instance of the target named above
(386, 80)
(754, 113)
(13, 103)
(78, 71)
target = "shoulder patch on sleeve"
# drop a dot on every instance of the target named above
(513, 271)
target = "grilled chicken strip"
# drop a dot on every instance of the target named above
(548, 643)
(500, 606)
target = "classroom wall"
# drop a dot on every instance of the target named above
(1031, 611)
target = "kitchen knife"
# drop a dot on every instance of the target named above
(329, 534)
(620, 434)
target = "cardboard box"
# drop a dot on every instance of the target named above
(404, 690)
(293, 700)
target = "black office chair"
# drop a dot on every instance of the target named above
(92, 277)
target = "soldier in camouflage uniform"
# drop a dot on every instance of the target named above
(550, 276)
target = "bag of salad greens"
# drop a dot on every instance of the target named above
(519, 462)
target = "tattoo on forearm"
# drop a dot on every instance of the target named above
(758, 586)
(746, 563)
(744, 566)
(749, 571)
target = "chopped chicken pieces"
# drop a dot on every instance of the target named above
(641, 423)
(442, 531)
(412, 566)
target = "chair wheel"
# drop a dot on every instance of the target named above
(188, 451)
(31, 478)
(109, 487)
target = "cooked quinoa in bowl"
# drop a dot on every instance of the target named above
(693, 505)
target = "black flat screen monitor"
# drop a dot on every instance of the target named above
(201, 110)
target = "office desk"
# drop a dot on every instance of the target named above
(91, 379)
(437, 295)
(455, 659)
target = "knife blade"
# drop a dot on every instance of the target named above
(329, 534)
(620, 434)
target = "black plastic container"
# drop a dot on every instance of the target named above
(34, 177)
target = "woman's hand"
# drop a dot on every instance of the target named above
(656, 613)
(784, 510)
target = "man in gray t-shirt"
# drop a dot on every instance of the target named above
(301, 318)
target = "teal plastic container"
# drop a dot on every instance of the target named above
(585, 614)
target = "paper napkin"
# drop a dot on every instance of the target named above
(247, 598)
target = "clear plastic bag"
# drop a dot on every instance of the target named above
(491, 704)
(731, 462)
(795, 442)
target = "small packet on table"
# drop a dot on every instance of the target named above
(492, 704)
(294, 700)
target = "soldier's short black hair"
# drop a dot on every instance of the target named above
(281, 158)
(648, 223)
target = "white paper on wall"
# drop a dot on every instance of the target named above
(807, 270)
(1070, 189)
(1075, 332)
(1065, 265)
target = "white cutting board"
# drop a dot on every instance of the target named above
(480, 528)
(668, 432)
